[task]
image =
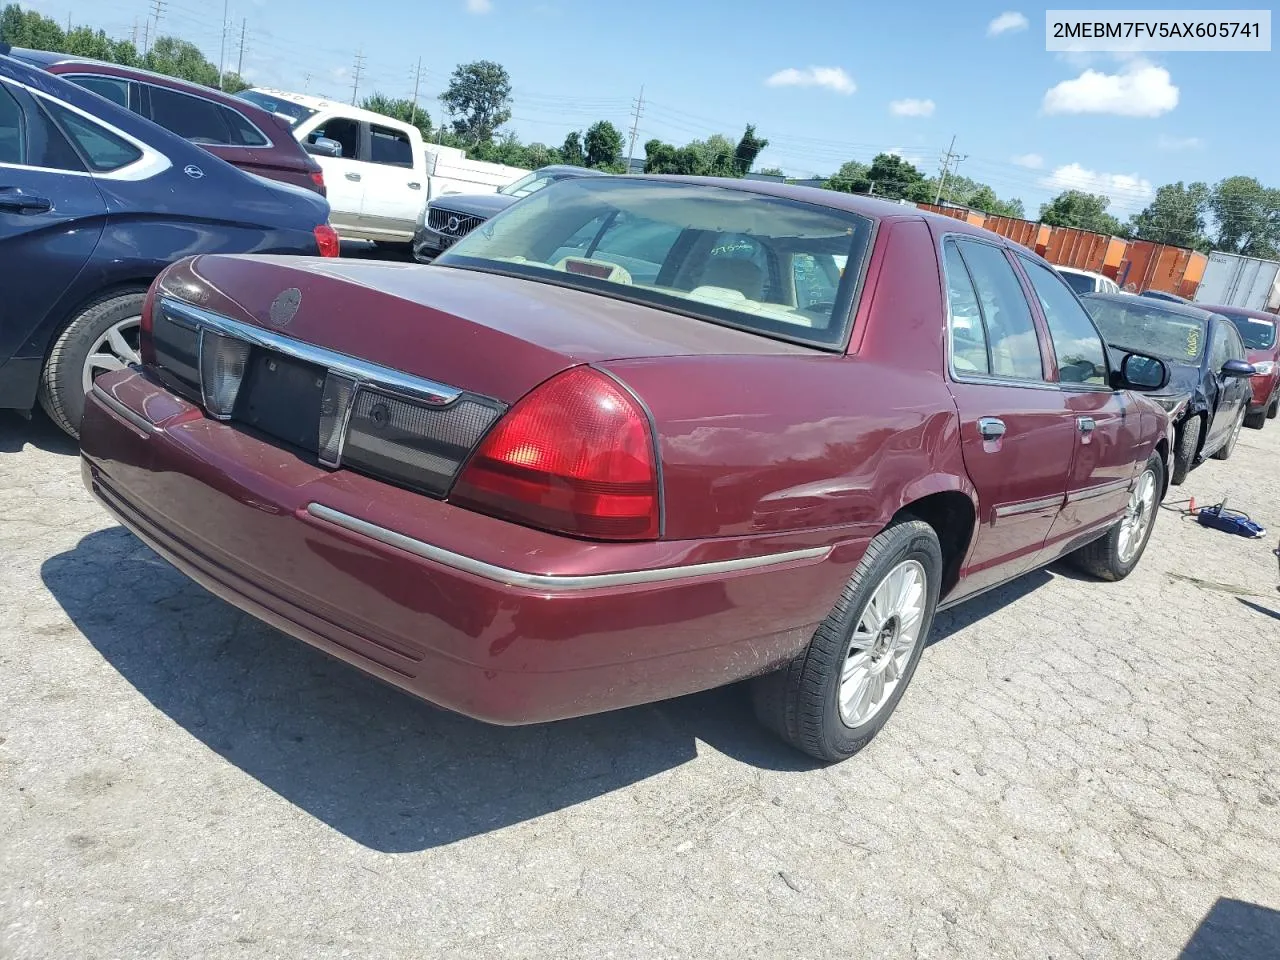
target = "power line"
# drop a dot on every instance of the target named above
(635, 127)
(157, 8)
(946, 165)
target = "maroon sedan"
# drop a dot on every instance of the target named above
(241, 133)
(1262, 346)
(634, 438)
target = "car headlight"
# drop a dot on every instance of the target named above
(1263, 369)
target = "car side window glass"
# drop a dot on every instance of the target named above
(192, 118)
(243, 133)
(101, 149)
(344, 131)
(1012, 341)
(113, 88)
(1080, 353)
(1219, 352)
(1235, 346)
(966, 332)
(13, 130)
(390, 147)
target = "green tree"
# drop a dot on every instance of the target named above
(602, 145)
(124, 53)
(399, 109)
(985, 199)
(232, 82)
(83, 42)
(181, 58)
(478, 99)
(895, 178)
(748, 148)
(850, 178)
(1247, 216)
(572, 151)
(1085, 211)
(1176, 216)
(26, 28)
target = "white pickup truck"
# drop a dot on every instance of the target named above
(379, 172)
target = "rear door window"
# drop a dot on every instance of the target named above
(967, 332)
(13, 130)
(390, 147)
(101, 149)
(114, 89)
(194, 118)
(1012, 342)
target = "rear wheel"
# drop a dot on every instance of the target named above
(1224, 451)
(1114, 556)
(1184, 454)
(1256, 421)
(837, 695)
(1273, 409)
(101, 338)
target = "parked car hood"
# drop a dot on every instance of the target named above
(473, 204)
(497, 335)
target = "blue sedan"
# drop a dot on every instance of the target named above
(94, 202)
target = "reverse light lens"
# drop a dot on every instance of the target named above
(1264, 369)
(576, 456)
(327, 241)
(222, 363)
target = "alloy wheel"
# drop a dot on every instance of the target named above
(884, 639)
(1137, 517)
(114, 350)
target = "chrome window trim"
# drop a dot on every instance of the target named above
(363, 372)
(556, 583)
(150, 164)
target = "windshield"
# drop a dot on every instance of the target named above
(1077, 281)
(295, 113)
(766, 264)
(1149, 329)
(1256, 334)
(527, 184)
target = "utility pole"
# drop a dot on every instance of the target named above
(635, 127)
(135, 33)
(417, 82)
(306, 83)
(947, 158)
(222, 50)
(244, 24)
(355, 81)
(157, 8)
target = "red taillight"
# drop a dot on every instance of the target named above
(575, 456)
(327, 240)
(317, 177)
(146, 343)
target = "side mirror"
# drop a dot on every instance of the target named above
(1238, 368)
(323, 147)
(1141, 372)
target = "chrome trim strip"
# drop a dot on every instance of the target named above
(118, 408)
(553, 582)
(363, 372)
(1030, 506)
(1101, 490)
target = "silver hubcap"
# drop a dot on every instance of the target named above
(884, 638)
(1138, 516)
(114, 350)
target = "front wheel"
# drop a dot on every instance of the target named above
(837, 695)
(1256, 421)
(1184, 454)
(1114, 556)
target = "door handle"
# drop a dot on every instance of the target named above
(991, 428)
(353, 176)
(1085, 424)
(414, 185)
(24, 202)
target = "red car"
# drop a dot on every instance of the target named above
(636, 437)
(241, 133)
(1258, 331)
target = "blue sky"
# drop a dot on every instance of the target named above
(823, 81)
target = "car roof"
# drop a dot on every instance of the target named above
(1227, 310)
(320, 104)
(572, 169)
(1153, 303)
(1083, 273)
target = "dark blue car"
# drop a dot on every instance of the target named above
(94, 202)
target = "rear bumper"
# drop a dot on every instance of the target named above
(501, 623)
(1264, 391)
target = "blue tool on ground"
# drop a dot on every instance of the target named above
(1229, 521)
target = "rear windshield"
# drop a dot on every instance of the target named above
(1149, 329)
(770, 265)
(1256, 334)
(294, 113)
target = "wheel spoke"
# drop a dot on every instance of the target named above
(852, 665)
(104, 362)
(121, 346)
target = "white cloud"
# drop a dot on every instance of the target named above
(479, 6)
(1141, 90)
(1032, 161)
(1007, 23)
(1179, 143)
(1122, 188)
(833, 78)
(912, 108)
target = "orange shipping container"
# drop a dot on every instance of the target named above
(1156, 266)
(1030, 234)
(1085, 250)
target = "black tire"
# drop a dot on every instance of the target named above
(61, 384)
(1273, 409)
(1103, 557)
(800, 701)
(1256, 421)
(1224, 451)
(1185, 447)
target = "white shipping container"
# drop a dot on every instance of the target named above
(452, 172)
(1236, 281)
